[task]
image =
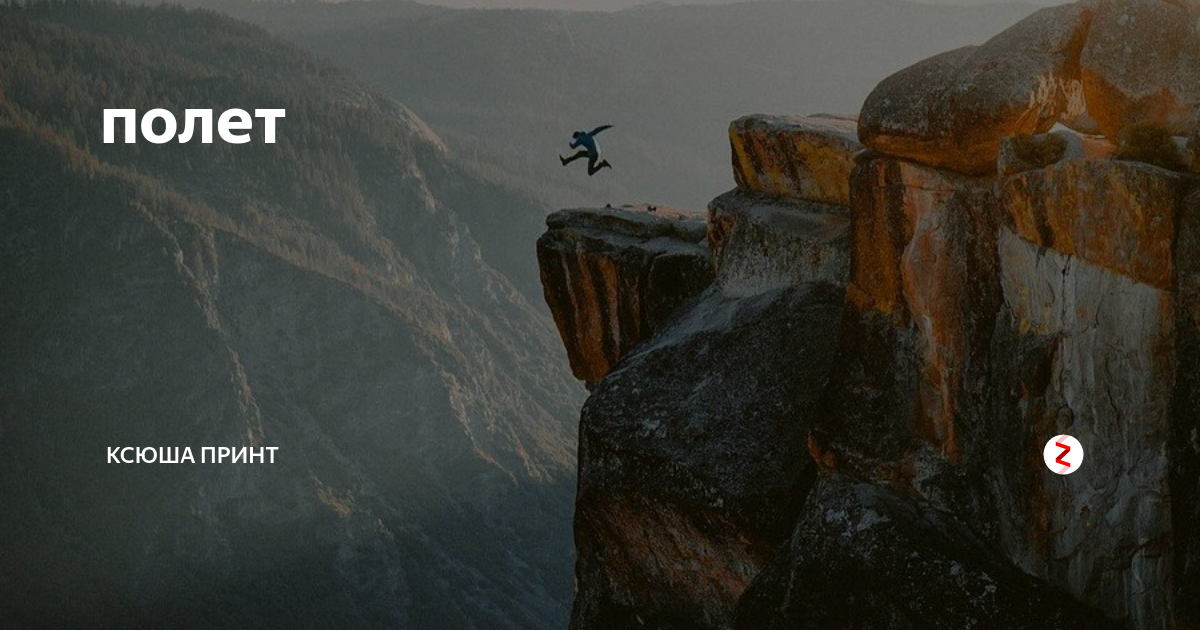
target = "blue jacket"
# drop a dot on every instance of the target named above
(588, 140)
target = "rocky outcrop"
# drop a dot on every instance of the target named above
(795, 156)
(692, 476)
(984, 311)
(984, 318)
(690, 484)
(612, 276)
(951, 111)
(1025, 308)
(1108, 63)
(763, 243)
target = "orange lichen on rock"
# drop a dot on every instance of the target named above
(1141, 62)
(611, 276)
(795, 156)
(920, 241)
(880, 234)
(1120, 216)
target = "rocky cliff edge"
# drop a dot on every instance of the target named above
(826, 407)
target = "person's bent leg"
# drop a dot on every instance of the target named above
(594, 167)
(566, 161)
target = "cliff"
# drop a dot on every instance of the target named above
(626, 270)
(845, 429)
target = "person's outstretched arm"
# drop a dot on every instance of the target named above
(599, 129)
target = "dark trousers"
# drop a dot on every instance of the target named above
(593, 159)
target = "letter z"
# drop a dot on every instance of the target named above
(1066, 449)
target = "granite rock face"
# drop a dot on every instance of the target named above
(613, 275)
(1027, 308)
(921, 302)
(764, 243)
(691, 477)
(1121, 216)
(1090, 353)
(899, 564)
(795, 156)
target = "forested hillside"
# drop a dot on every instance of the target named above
(347, 294)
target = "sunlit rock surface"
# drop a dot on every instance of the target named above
(612, 275)
(1141, 62)
(1117, 215)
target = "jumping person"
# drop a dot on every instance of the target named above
(588, 143)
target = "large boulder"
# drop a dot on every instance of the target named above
(952, 110)
(864, 557)
(1141, 62)
(763, 243)
(692, 458)
(795, 156)
(611, 276)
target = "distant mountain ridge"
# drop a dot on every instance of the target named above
(349, 295)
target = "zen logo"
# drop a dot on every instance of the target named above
(1063, 454)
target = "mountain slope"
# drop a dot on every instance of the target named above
(325, 295)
